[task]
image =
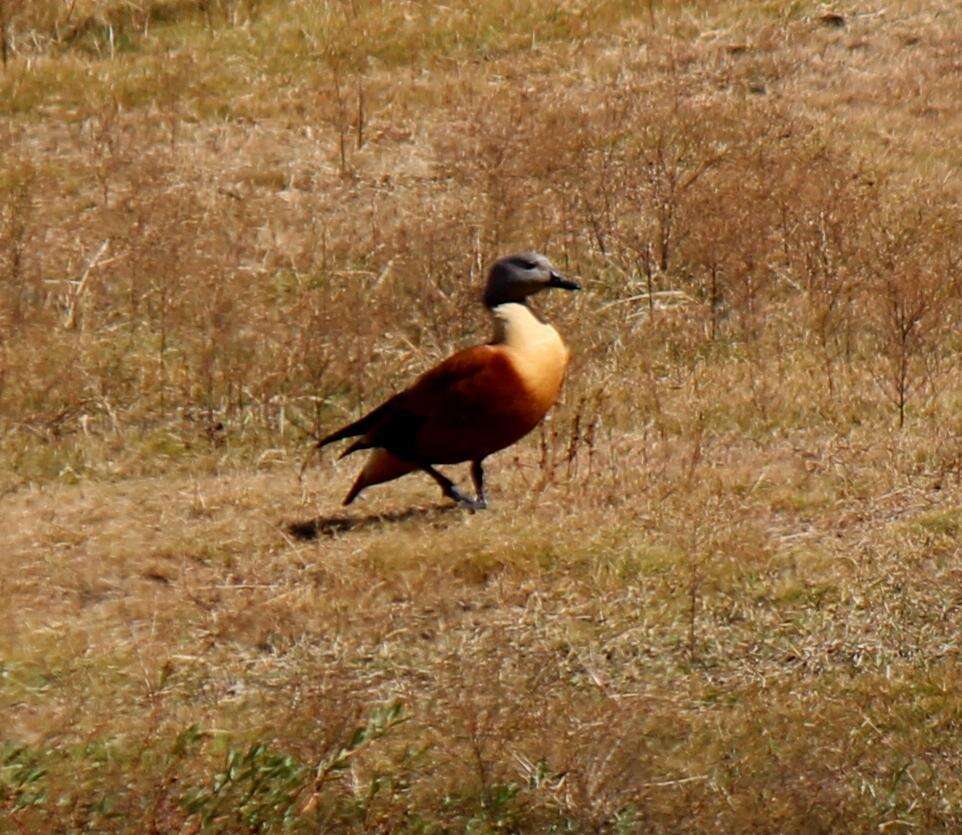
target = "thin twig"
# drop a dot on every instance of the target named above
(70, 323)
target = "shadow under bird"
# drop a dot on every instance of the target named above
(476, 402)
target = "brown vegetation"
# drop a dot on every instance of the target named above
(718, 590)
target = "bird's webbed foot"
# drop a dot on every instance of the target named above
(449, 489)
(464, 501)
(472, 504)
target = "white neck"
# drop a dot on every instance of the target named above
(516, 326)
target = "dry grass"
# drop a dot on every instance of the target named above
(718, 591)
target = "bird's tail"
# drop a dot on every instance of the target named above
(352, 430)
(360, 427)
(349, 431)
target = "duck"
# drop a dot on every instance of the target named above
(478, 401)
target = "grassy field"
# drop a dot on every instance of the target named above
(720, 590)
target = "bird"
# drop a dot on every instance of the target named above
(477, 401)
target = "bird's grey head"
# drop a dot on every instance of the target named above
(515, 277)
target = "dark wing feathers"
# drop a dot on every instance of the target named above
(453, 385)
(359, 427)
(452, 390)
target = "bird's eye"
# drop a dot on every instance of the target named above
(528, 265)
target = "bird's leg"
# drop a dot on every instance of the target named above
(448, 488)
(477, 476)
